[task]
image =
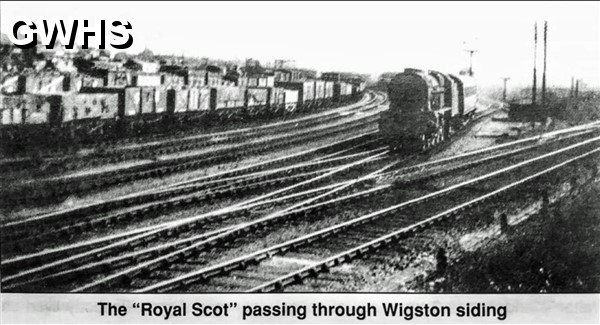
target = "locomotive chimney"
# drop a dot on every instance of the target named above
(544, 73)
(534, 88)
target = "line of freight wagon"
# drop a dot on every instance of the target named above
(104, 113)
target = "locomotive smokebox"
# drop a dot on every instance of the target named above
(423, 105)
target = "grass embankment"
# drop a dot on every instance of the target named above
(556, 253)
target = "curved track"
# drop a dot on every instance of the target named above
(337, 122)
(317, 251)
(150, 249)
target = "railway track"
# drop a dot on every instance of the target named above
(65, 185)
(258, 172)
(35, 229)
(277, 266)
(404, 239)
(130, 150)
(453, 237)
(20, 235)
(180, 227)
(154, 253)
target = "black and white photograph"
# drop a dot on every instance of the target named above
(300, 147)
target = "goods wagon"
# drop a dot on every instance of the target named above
(140, 101)
(11, 107)
(257, 97)
(277, 99)
(341, 91)
(319, 100)
(89, 106)
(205, 102)
(188, 100)
(268, 81)
(179, 101)
(132, 101)
(12, 84)
(195, 78)
(173, 81)
(306, 92)
(213, 78)
(30, 109)
(329, 89)
(193, 99)
(126, 100)
(291, 99)
(160, 100)
(122, 102)
(319, 89)
(147, 96)
(348, 91)
(229, 97)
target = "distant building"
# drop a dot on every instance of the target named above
(142, 66)
(289, 75)
(12, 83)
(121, 57)
(146, 55)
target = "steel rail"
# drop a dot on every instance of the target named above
(267, 252)
(245, 227)
(361, 250)
(186, 223)
(186, 196)
(152, 193)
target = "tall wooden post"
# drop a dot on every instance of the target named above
(534, 88)
(505, 79)
(544, 72)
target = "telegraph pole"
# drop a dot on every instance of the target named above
(534, 88)
(571, 93)
(544, 73)
(505, 79)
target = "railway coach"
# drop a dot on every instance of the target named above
(425, 108)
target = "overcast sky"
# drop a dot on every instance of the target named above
(366, 37)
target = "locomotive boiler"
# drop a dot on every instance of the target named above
(426, 107)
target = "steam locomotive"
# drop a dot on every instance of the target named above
(426, 107)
